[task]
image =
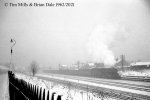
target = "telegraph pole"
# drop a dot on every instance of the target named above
(122, 61)
(11, 51)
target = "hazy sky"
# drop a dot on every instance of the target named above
(61, 35)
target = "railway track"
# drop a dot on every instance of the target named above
(123, 90)
(136, 78)
(114, 83)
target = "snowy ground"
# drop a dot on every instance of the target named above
(67, 92)
(145, 73)
(4, 93)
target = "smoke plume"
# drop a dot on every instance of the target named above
(100, 42)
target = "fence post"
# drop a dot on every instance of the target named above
(44, 94)
(48, 95)
(37, 92)
(40, 96)
(59, 97)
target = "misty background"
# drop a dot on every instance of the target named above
(92, 31)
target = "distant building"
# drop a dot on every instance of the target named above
(87, 65)
(74, 67)
(90, 65)
(63, 67)
(140, 64)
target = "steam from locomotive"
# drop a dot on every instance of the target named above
(101, 41)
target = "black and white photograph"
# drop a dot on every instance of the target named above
(74, 49)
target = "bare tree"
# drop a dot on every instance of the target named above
(34, 67)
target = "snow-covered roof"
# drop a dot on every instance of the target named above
(64, 65)
(140, 63)
(91, 64)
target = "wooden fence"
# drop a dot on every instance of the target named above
(21, 90)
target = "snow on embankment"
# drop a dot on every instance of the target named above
(143, 73)
(67, 92)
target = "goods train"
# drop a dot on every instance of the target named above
(108, 73)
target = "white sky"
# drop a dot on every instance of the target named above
(57, 35)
